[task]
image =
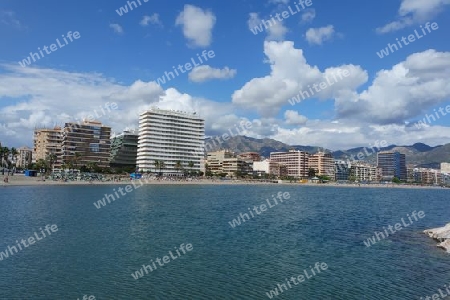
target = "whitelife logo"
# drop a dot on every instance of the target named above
(53, 47)
(411, 38)
(373, 240)
(284, 15)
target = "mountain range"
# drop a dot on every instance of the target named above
(418, 155)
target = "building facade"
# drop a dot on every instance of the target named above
(341, 170)
(261, 167)
(445, 168)
(47, 142)
(86, 143)
(237, 167)
(172, 138)
(24, 157)
(215, 160)
(124, 149)
(322, 163)
(392, 164)
(296, 162)
(363, 172)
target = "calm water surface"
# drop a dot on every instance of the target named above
(95, 251)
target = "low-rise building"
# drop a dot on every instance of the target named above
(236, 167)
(215, 160)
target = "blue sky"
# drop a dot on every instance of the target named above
(252, 77)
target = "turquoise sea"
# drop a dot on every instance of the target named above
(95, 251)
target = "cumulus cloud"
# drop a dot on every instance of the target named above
(414, 12)
(293, 118)
(317, 36)
(403, 92)
(60, 101)
(204, 73)
(290, 74)
(197, 25)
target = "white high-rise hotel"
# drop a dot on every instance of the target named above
(170, 137)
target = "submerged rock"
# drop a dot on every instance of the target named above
(441, 234)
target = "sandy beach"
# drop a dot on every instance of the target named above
(21, 180)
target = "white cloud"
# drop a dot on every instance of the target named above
(9, 18)
(316, 36)
(290, 74)
(153, 19)
(293, 118)
(117, 28)
(309, 15)
(275, 32)
(197, 25)
(60, 101)
(205, 73)
(414, 12)
(401, 93)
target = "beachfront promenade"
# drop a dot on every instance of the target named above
(21, 180)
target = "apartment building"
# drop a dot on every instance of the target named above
(124, 149)
(236, 166)
(215, 160)
(24, 157)
(296, 162)
(363, 172)
(47, 142)
(392, 164)
(341, 170)
(170, 137)
(322, 163)
(278, 169)
(86, 143)
(425, 176)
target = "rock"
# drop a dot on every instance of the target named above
(441, 234)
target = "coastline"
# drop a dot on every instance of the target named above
(20, 180)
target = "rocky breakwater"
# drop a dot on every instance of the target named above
(442, 235)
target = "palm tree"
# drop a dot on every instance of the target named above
(76, 159)
(162, 165)
(14, 154)
(191, 166)
(157, 163)
(178, 165)
(51, 159)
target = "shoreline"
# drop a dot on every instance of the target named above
(20, 180)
